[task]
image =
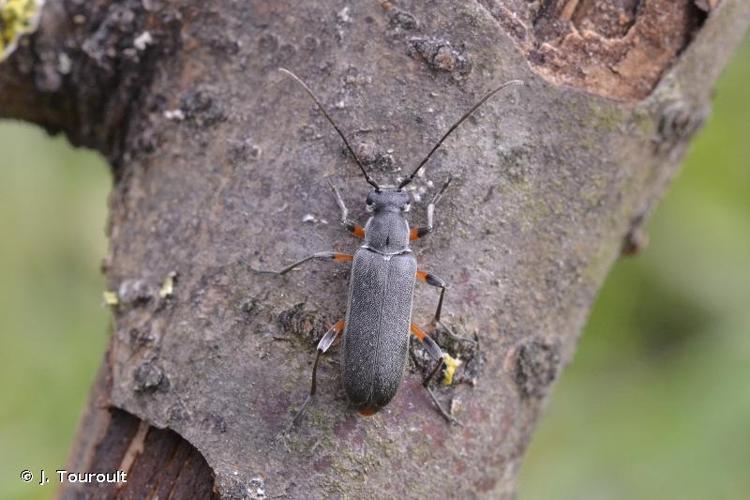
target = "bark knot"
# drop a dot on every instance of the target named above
(536, 367)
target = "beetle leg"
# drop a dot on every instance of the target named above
(338, 257)
(436, 353)
(439, 282)
(325, 343)
(351, 226)
(418, 232)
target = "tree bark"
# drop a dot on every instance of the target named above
(220, 166)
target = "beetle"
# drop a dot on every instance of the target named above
(384, 271)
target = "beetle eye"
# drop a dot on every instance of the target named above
(370, 207)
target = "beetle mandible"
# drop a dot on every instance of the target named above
(384, 271)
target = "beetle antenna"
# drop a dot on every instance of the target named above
(330, 120)
(455, 126)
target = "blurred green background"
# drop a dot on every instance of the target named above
(53, 327)
(656, 404)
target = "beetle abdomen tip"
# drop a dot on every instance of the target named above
(368, 411)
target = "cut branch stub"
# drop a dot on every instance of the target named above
(618, 49)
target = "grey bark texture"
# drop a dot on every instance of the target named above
(221, 165)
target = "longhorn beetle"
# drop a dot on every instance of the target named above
(383, 274)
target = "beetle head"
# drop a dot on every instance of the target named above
(389, 199)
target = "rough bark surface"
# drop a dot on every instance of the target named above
(219, 161)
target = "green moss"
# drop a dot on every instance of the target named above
(643, 122)
(607, 117)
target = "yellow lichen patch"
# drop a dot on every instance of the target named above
(110, 298)
(17, 17)
(167, 287)
(451, 365)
